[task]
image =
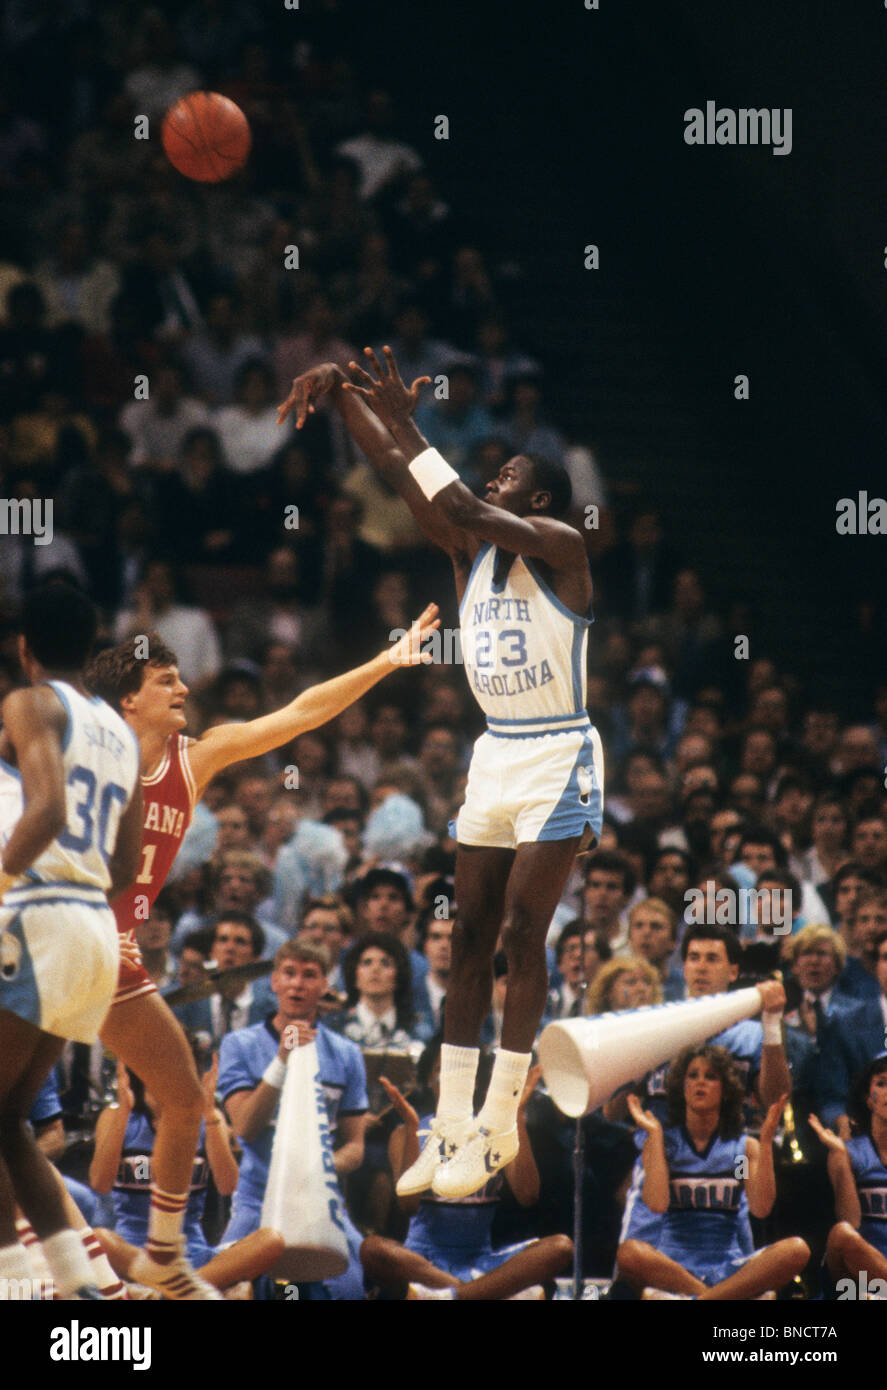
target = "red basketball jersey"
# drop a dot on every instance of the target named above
(169, 795)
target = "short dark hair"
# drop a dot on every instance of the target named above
(787, 881)
(851, 868)
(200, 940)
(611, 862)
(663, 850)
(553, 478)
(377, 878)
(704, 931)
(576, 928)
(243, 919)
(760, 835)
(59, 624)
(117, 672)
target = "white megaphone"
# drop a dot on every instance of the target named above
(302, 1198)
(584, 1060)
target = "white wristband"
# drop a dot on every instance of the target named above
(432, 472)
(771, 1022)
(274, 1073)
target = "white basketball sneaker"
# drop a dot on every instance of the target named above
(176, 1280)
(482, 1155)
(442, 1144)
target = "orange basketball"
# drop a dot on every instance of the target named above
(206, 137)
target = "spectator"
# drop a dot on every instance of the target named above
(382, 160)
(198, 505)
(77, 287)
(829, 850)
(435, 935)
(868, 842)
(628, 982)
(189, 631)
(327, 922)
(652, 935)
(609, 885)
(816, 957)
(318, 341)
(378, 986)
(237, 940)
(250, 1088)
(417, 354)
(525, 428)
(276, 614)
(853, 1040)
(215, 353)
(240, 884)
(159, 79)
(457, 423)
(153, 938)
(248, 431)
(161, 426)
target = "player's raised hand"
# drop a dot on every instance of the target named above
(408, 651)
(386, 393)
(644, 1119)
(772, 1118)
(833, 1142)
(400, 1103)
(305, 390)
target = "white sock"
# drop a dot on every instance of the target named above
(499, 1111)
(458, 1070)
(14, 1268)
(68, 1262)
(103, 1276)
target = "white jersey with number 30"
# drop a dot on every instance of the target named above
(101, 760)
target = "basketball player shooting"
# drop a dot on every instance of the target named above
(535, 784)
(140, 1028)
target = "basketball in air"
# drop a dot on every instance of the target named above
(206, 137)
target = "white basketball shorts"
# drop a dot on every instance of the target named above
(59, 958)
(524, 787)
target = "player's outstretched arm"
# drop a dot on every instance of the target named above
(34, 722)
(374, 440)
(232, 743)
(455, 505)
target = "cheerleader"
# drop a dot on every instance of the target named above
(858, 1170)
(695, 1170)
